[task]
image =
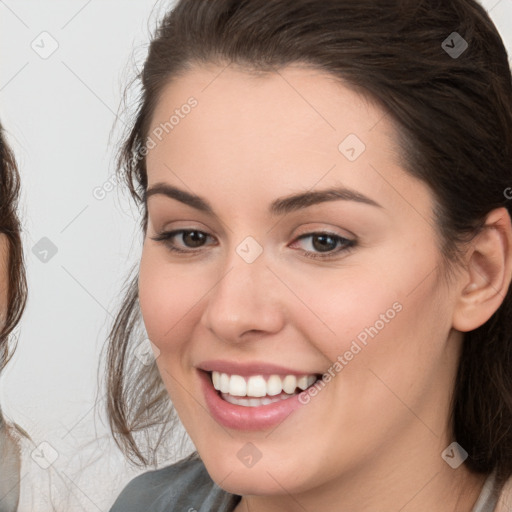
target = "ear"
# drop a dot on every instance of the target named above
(488, 273)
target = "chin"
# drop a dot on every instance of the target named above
(255, 485)
(261, 479)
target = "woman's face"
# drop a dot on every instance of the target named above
(282, 277)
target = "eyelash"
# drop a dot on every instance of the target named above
(166, 237)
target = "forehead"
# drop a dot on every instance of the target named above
(288, 129)
(297, 104)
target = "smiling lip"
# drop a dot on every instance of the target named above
(248, 369)
(245, 418)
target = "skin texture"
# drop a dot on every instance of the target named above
(4, 260)
(372, 439)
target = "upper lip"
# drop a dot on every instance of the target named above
(251, 368)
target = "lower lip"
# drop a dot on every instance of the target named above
(246, 418)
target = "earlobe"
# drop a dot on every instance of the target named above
(489, 273)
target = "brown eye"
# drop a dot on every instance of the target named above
(194, 238)
(324, 245)
(190, 239)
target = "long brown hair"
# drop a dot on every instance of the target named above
(16, 299)
(11, 228)
(453, 113)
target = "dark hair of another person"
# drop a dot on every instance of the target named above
(10, 227)
(453, 117)
(16, 296)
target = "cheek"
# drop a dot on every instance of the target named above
(336, 307)
(168, 295)
(171, 298)
(381, 313)
(394, 340)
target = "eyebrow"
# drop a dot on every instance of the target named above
(280, 206)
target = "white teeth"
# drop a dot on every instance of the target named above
(237, 386)
(253, 402)
(224, 382)
(306, 381)
(289, 384)
(274, 385)
(302, 382)
(216, 380)
(256, 386)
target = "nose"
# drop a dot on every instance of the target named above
(245, 303)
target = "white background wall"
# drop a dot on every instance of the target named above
(59, 113)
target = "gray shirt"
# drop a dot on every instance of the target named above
(187, 487)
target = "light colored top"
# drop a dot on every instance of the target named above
(25, 486)
(9, 470)
(187, 486)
